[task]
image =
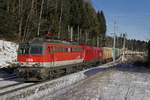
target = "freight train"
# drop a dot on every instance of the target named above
(43, 59)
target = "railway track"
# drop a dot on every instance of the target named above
(9, 85)
(9, 78)
(14, 87)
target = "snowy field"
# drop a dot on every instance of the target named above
(125, 82)
(7, 53)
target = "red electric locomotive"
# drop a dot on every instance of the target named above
(92, 54)
(42, 59)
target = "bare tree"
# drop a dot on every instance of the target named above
(26, 29)
(20, 18)
(60, 20)
(39, 24)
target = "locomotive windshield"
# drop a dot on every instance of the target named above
(36, 50)
(23, 49)
(30, 49)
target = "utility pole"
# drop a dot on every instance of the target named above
(71, 34)
(78, 37)
(114, 44)
(114, 47)
(69, 31)
(86, 37)
(124, 43)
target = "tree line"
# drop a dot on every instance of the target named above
(21, 20)
(130, 44)
(25, 19)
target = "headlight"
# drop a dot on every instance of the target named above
(29, 60)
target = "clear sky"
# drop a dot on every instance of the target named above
(131, 16)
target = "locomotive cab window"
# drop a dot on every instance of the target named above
(30, 49)
(23, 49)
(36, 50)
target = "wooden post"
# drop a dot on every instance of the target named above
(78, 38)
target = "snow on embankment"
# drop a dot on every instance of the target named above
(54, 87)
(43, 89)
(8, 53)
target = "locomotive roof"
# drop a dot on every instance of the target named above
(41, 40)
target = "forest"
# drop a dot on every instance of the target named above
(22, 20)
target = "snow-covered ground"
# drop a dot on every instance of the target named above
(126, 82)
(50, 87)
(45, 88)
(7, 53)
